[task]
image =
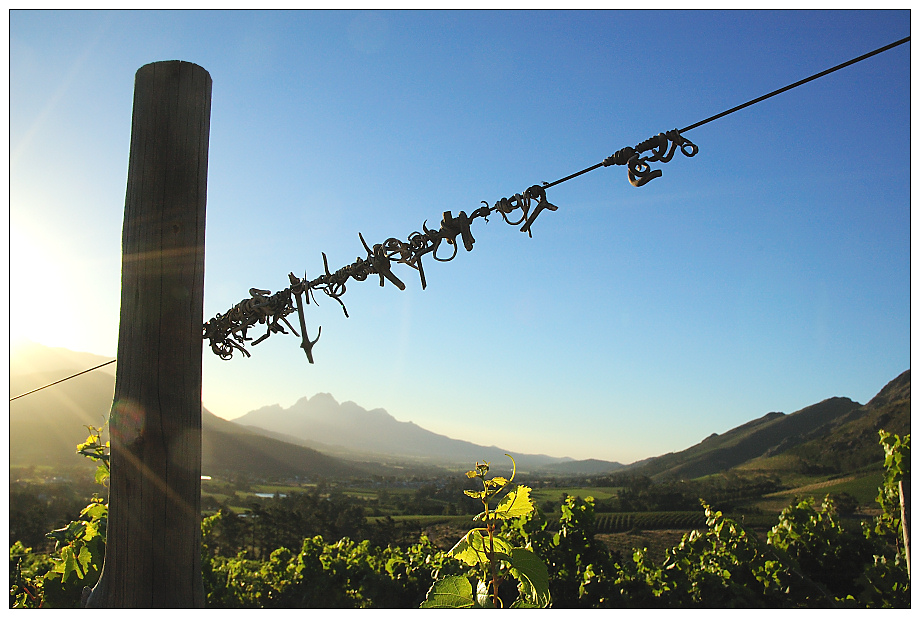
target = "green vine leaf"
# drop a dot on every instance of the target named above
(473, 548)
(454, 592)
(483, 596)
(94, 511)
(533, 575)
(516, 504)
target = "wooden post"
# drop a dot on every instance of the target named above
(904, 494)
(153, 539)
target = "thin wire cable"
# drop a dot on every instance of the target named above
(753, 101)
(594, 167)
(64, 379)
(797, 84)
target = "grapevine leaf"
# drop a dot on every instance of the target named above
(501, 545)
(102, 475)
(473, 548)
(84, 561)
(464, 552)
(483, 598)
(67, 534)
(451, 592)
(496, 483)
(94, 510)
(516, 504)
(68, 564)
(533, 575)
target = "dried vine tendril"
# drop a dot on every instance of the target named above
(228, 332)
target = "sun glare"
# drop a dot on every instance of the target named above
(35, 283)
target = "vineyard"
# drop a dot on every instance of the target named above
(807, 559)
(667, 520)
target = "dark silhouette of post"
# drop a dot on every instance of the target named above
(904, 494)
(153, 536)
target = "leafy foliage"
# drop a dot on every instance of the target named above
(80, 547)
(344, 574)
(810, 558)
(494, 559)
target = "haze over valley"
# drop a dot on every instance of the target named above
(321, 436)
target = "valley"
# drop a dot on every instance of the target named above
(396, 480)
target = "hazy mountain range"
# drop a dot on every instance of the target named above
(346, 428)
(320, 437)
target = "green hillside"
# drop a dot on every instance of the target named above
(849, 444)
(267, 458)
(836, 435)
(47, 426)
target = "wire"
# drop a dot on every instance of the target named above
(571, 176)
(602, 164)
(753, 101)
(797, 84)
(64, 379)
(228, 333)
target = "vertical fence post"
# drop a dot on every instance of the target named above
(904, 494)
(153, 539)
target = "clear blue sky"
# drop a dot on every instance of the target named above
(768, 273)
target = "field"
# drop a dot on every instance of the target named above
(863, 487)
(555, 494)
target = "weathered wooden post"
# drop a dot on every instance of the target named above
(153, 542)
(904, 494)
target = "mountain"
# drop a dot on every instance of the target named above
(850, 442)
(322, 437)
(27, 357)
(348, 426)
(227, 447)
(46, 426)
(835, 435)
(584, 467)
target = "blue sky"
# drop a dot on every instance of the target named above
(767, 273)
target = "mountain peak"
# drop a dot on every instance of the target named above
(320, 398)
(321, 419)
(897, 389)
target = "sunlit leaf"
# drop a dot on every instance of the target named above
(464, 552)
(449, 593)
(496, 482)
(533, 575)
(483, 598)
(474, 548)
(516, 504)
(102, 474)
(94, 510)
(68, 563)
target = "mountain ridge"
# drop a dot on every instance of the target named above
(834, 434)
(323, 420)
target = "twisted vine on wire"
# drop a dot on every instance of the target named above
(229, 332)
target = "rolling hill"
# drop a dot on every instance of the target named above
(319, 436)
(226, 447)
(849, 443)
(46, 426)
(835, 435)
